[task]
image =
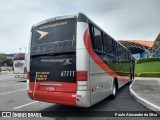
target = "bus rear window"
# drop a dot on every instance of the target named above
(54, 37)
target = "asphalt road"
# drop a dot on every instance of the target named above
(13, 97)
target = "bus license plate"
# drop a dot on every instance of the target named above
(48, 88)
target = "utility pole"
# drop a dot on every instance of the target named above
(25, 49)
(20, 49)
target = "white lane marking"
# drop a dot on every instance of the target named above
(8, 81)
(12, 91)
(12, 84)
(25, 105)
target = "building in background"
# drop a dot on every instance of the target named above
(9, 56)
(143, 49)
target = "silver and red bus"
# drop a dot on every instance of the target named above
(20, 65)
(74, 62)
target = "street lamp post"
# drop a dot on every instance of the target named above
(20, 49)
(25, 49)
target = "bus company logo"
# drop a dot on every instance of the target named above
(67, 62)
(63, 61)
(42, 33)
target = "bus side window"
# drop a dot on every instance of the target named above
(91, 30)
(104, 43)
(115, 49)
(98, 39)
(110, 47)
(120, 51)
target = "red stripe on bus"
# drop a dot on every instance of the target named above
(56, 97)
(97, 59)
(61, 95)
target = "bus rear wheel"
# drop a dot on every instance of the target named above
(114, 90)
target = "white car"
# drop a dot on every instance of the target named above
(3, 68)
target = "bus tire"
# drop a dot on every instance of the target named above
(131, 80)
(114, 90)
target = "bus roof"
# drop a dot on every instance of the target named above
(80, 18)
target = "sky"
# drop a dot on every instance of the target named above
(121, 19)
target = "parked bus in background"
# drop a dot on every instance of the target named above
(74, 62)
(20, 65)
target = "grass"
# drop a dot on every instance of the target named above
(147, 67)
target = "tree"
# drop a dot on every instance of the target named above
(8, 62)
(1, 59)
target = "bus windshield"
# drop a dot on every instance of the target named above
(54, 37)
(19, 56)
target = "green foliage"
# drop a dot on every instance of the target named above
(143, 60)
(2, 57)
(9, 62)
(147, 67)
(149, 74)
(136, 75)
(121, 73)
(3, 60)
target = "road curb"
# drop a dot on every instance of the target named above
(143, 101)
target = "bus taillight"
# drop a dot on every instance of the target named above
(28, 75)
(82, 76)
(82, 82)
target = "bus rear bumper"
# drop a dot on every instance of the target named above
(83, 98)
(53, 97)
